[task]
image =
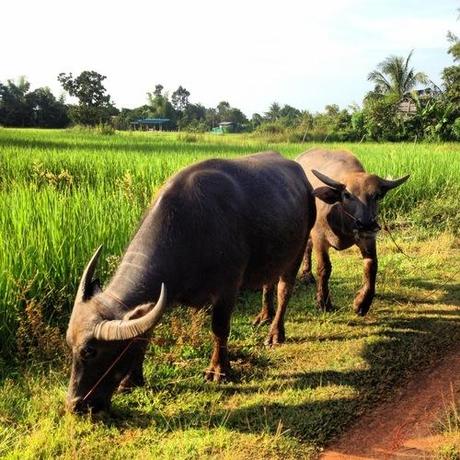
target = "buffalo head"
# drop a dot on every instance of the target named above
(359, 196)
(103, 342)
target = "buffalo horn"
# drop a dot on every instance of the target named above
(328, 181)
(389, 184)
(121, 329)
(84, 289)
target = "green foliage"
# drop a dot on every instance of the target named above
(380, 118)
(451, 74)
(394, 76)
(159, 105)
(95, 106)
(456, 128)
(39, 108)
(226, 113)
(179, 99)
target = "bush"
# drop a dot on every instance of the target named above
(271, 128)
(456, 129)
(187, 137)
(104, 129)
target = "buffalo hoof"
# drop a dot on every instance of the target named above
(362, 304)
(261, 319)
(324, 306)
(217, 373)
(361, 310)
(275, 337)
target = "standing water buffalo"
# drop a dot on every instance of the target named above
(346, 215)
(214, 227)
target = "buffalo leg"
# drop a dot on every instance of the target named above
(324, 270)
(365, 295)
(286, 283)
(268, 310)
(219, 367)
(307, 274)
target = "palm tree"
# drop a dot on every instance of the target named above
(274, 112)
(394, 76)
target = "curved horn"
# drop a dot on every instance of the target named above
(121, 329)
(328, 181)
(389, 184)
(84, 289)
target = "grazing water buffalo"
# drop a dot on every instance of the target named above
(346, 215)
(215, 227)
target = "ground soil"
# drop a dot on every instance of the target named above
(404, 428)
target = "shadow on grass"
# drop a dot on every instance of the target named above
(404, 346)
(449, 292)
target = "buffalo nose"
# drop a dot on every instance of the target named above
(371, 225)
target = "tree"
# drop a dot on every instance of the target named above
(256, 120)
(211, 117)
(47, 111)
(21, 107)
(180, 103)
(158, 90)
(179, 99)
(274, 112)
(395, 76)
(306, 120)
(290, 116)
(226, 113)
(15, 109)
(160, 106)
(223, 110)
(193, 113)
(451, 74)
(380, 118)
(94, 104)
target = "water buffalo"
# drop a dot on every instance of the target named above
(215, 227)
(346, 215)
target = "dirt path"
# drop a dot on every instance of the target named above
(403, 427)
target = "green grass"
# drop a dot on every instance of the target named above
(62, 193)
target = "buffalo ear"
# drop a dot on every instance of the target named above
(139, 311)
(94, 288)
(328, 194)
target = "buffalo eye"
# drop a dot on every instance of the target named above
(88, 352)
(347, 194)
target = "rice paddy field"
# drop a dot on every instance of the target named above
(63, 193)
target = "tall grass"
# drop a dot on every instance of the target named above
(62, 193)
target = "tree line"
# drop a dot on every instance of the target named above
(392, 111)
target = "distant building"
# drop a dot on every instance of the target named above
(407, 105)
(225, 127)
(150, 124)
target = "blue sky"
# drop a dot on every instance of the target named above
(250, 53)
